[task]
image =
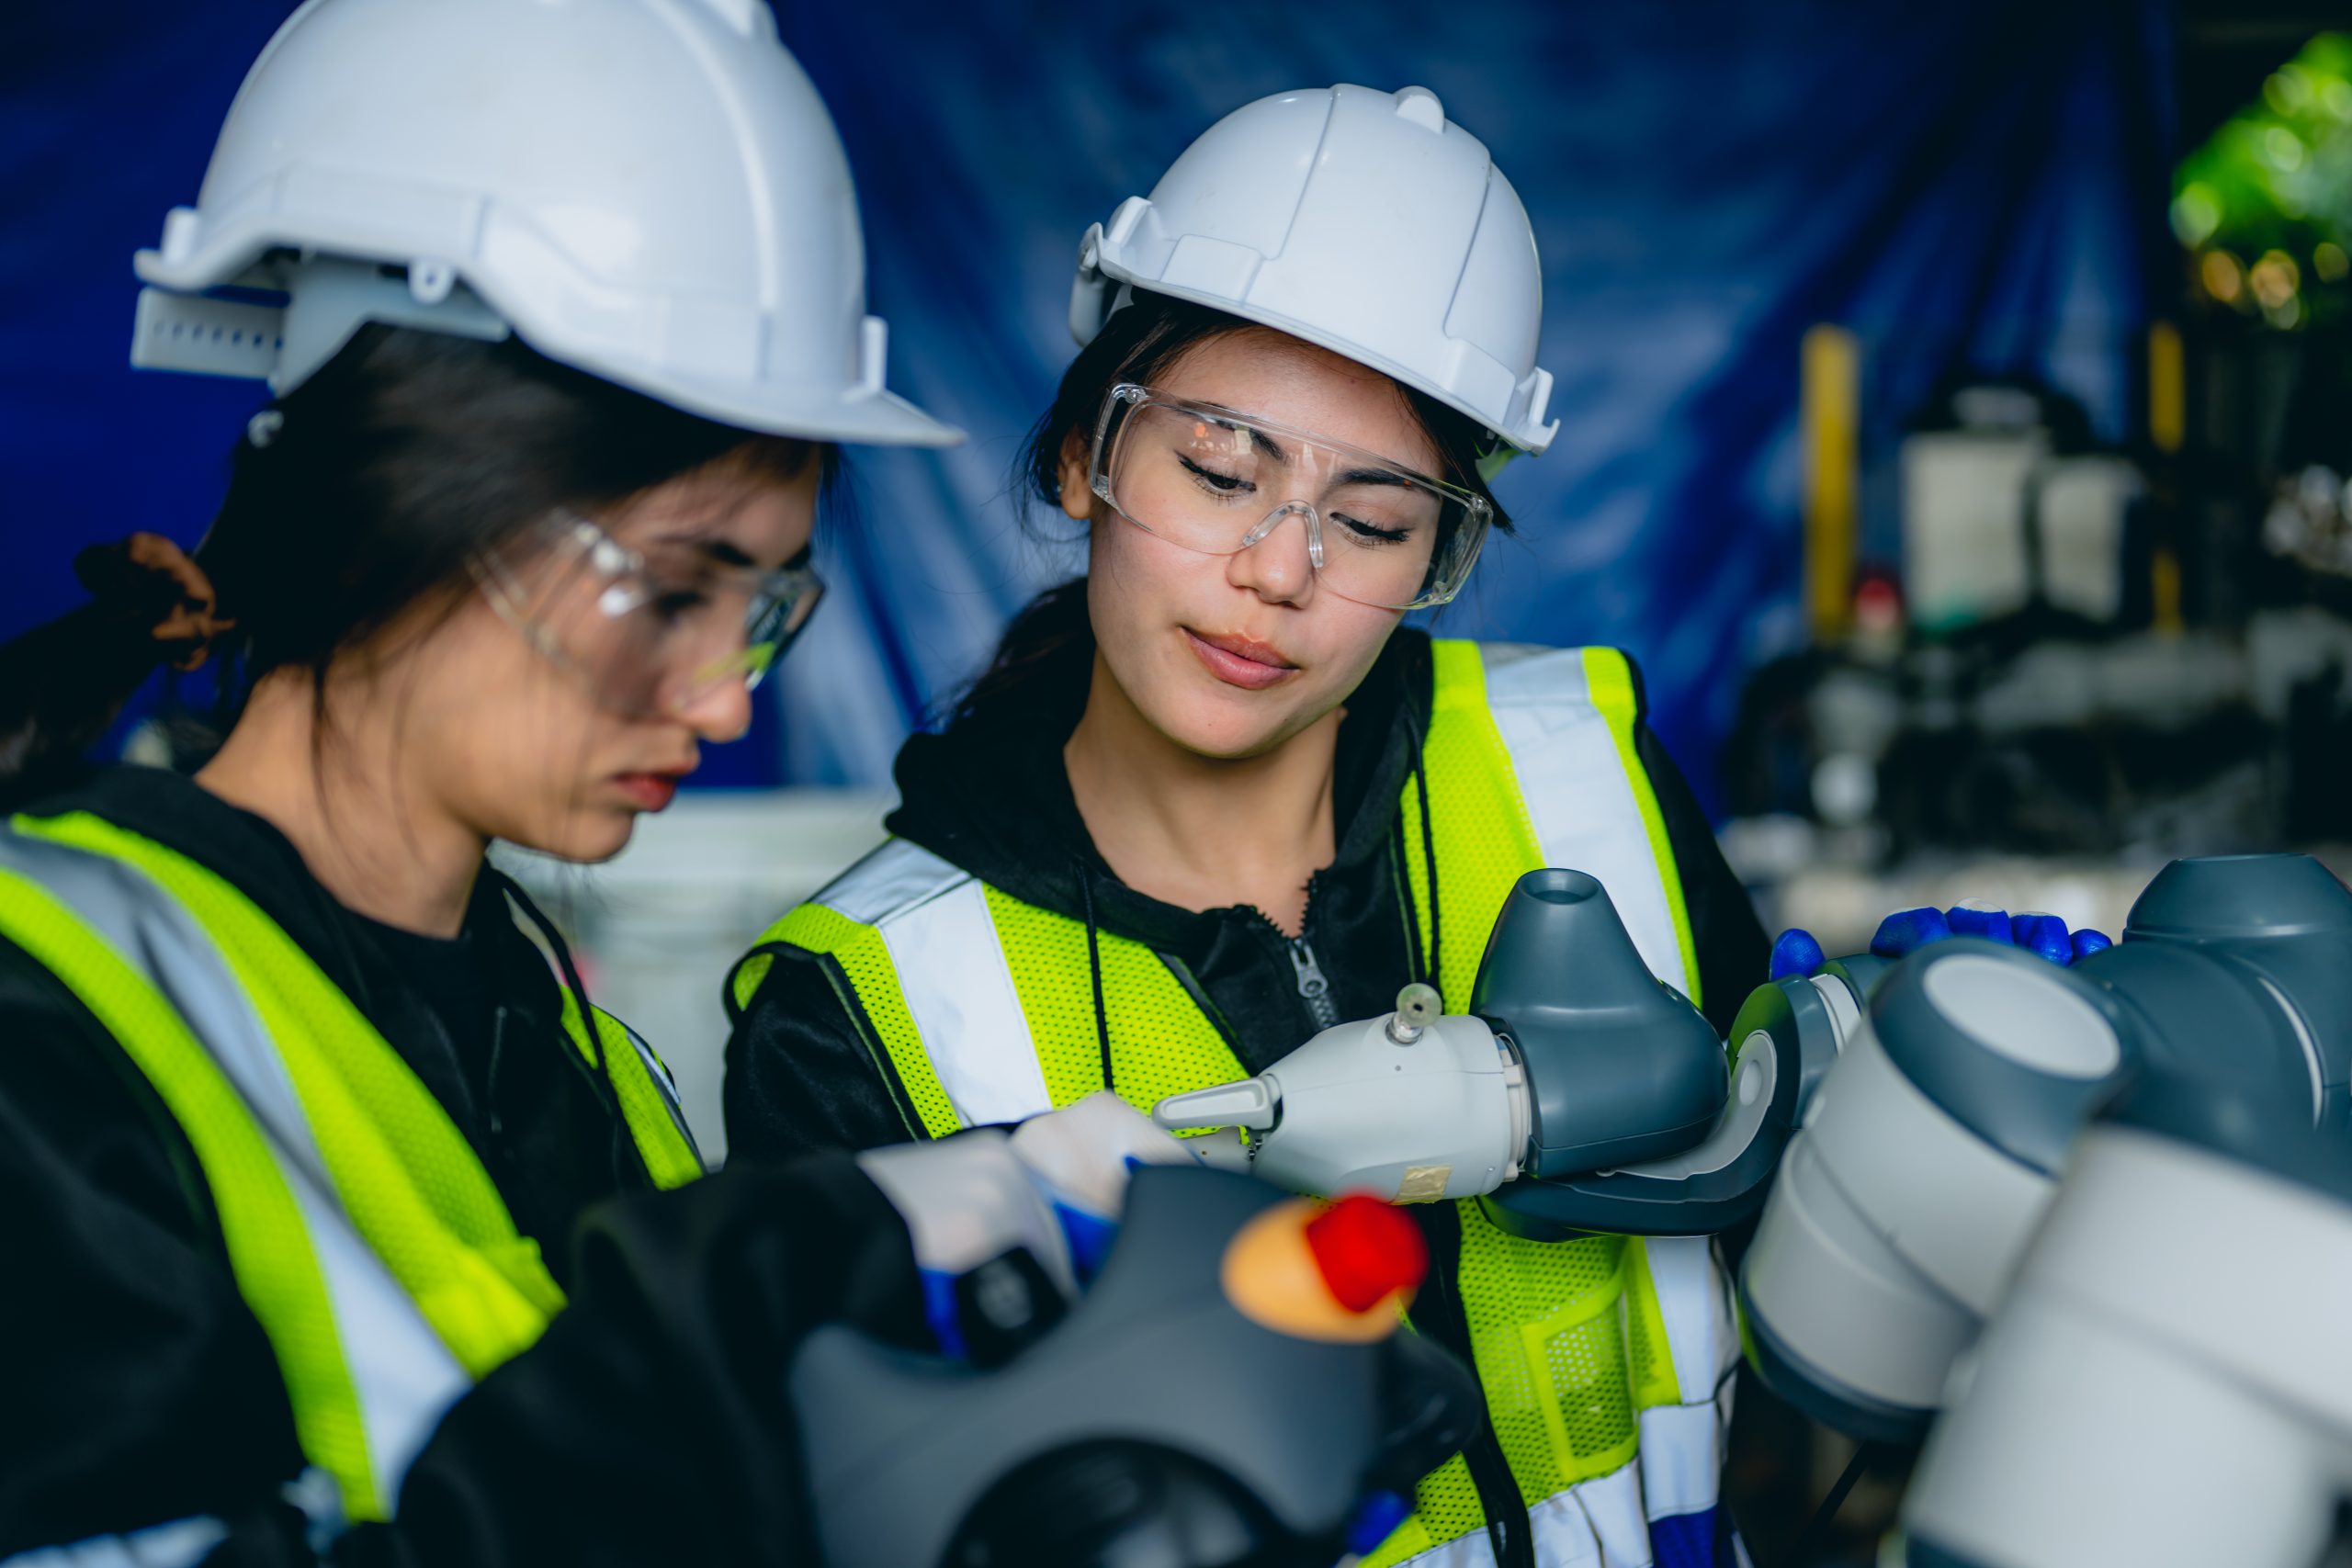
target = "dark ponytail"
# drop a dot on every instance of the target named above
(1040, 663)
(362, 492)
(1139, 344)
(62, 684)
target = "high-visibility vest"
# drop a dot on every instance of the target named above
(1606, 1360)
(362, 1230)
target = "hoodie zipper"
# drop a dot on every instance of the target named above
(1312, 985)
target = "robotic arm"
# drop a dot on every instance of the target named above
(2096, 1225)
(2168, 1382)
(1935, 1144)
(2162, 1380)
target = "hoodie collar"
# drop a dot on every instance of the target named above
(251, 855)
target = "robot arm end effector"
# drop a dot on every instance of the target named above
(1605, 1104)
(1644, 1122)
(1408, 1106)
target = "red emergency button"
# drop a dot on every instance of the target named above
(1366, 1250)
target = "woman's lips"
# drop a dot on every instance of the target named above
(1239, 662)
(646, 792)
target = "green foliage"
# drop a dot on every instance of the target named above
(2266, 202)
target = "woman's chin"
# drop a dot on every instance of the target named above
(1225, 731)
(590, 838)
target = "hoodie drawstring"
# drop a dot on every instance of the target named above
(1417, 960)
(1094, 963)
(1428, 959)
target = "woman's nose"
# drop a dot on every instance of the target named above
(718, 710)
(1279, 566)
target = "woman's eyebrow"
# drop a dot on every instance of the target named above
(1273, 447)
(1372, 477)
(716, 546)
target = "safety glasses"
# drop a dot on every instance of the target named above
(1219, 482)
(650, 632)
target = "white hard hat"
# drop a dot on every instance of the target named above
(1357, 219)
(648, 190)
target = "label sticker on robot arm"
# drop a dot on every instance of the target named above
(1423, 1183)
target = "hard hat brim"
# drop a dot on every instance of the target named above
(851, 413)
(874, 418)
(1529, 439)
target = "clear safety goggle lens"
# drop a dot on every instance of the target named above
(649, 632)
(1213, 480)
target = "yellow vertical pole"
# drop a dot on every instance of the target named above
(2168, 432)
(2168, 388)
(1829, 412)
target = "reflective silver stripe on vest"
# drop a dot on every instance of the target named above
(404, 1377)
(890, 880)
(659, 1071)
(1683, 1445)
(1573, 780)
(934, 920)
(179, 1544)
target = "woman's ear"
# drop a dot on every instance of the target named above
(1078, 499)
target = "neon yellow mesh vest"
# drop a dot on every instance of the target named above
(346, 1195)
(1601, 1358)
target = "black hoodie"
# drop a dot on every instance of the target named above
(648, 1424)
(991, 796)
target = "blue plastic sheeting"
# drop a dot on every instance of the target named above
(1978, 182)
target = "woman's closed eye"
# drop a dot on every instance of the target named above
(677, 602)
(1224, 484)
(1371, 533)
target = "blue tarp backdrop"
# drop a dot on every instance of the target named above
(1960, 182)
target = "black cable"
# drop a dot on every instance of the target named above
(1094, 963)
(1817, 1528)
